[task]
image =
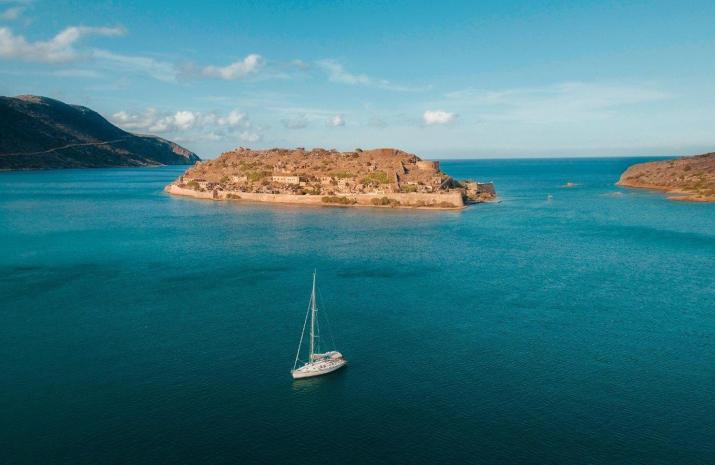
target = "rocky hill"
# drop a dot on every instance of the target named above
(42, 133)
(687, 178)
(380, 177)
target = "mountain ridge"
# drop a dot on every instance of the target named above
(43, 133)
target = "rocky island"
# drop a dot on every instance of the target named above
(373, 178)
(687, 179)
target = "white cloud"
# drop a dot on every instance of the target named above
(77, 73)
(431, 117)
(248, 136)
(213, 136)
(336, 72)
(297, 122)
(59, 49)
(184, 119)
(157, 69)
(191, 125)
(161, 125)
(299, 64)
(153, 121)
(12, 13)
(149, 120)
(375, 122)
(236, 70)
(234, 118)
(62, 48)
(336, 121)
(566, 102)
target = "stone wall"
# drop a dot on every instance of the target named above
(428, 165)
(407, 200)
(487, 187)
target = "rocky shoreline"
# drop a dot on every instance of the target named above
(673, 194)
(687, 179)
(447, 201)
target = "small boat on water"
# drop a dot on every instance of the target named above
(318, 363)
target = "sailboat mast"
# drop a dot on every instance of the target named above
(312, 321)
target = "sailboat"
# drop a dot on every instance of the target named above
(318, 363)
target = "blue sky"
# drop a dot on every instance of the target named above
(443, 79)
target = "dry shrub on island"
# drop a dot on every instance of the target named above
(385, 201)
(340, 200)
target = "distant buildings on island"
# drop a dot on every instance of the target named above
(341, 177)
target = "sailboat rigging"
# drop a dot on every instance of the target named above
(318, 363)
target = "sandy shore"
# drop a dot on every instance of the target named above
(407, 200)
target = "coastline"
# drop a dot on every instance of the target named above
(677, 195)
(407, 200)
(684, 179)
(103, 167)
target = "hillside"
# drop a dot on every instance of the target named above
(687, 178)
(380, 177)
(42, 133)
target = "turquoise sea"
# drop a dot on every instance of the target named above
(137, 328)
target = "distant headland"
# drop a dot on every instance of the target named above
(373, 178)
(43, 133)
(687, 179)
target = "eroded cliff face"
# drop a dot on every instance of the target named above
(380, 177)
(687, 178)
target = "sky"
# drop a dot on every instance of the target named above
(444, 79)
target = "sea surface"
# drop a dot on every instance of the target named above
(139, 328)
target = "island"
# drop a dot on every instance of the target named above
(363, 178)
(685, 179)
(44, 133)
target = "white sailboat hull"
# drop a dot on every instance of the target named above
(318, 363)
(318, 368)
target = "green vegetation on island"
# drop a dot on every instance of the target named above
(380, 177)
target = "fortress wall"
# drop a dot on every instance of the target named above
(428, 165)
(413, 197)
(176, 190)
(454, 198)
(486, 187)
